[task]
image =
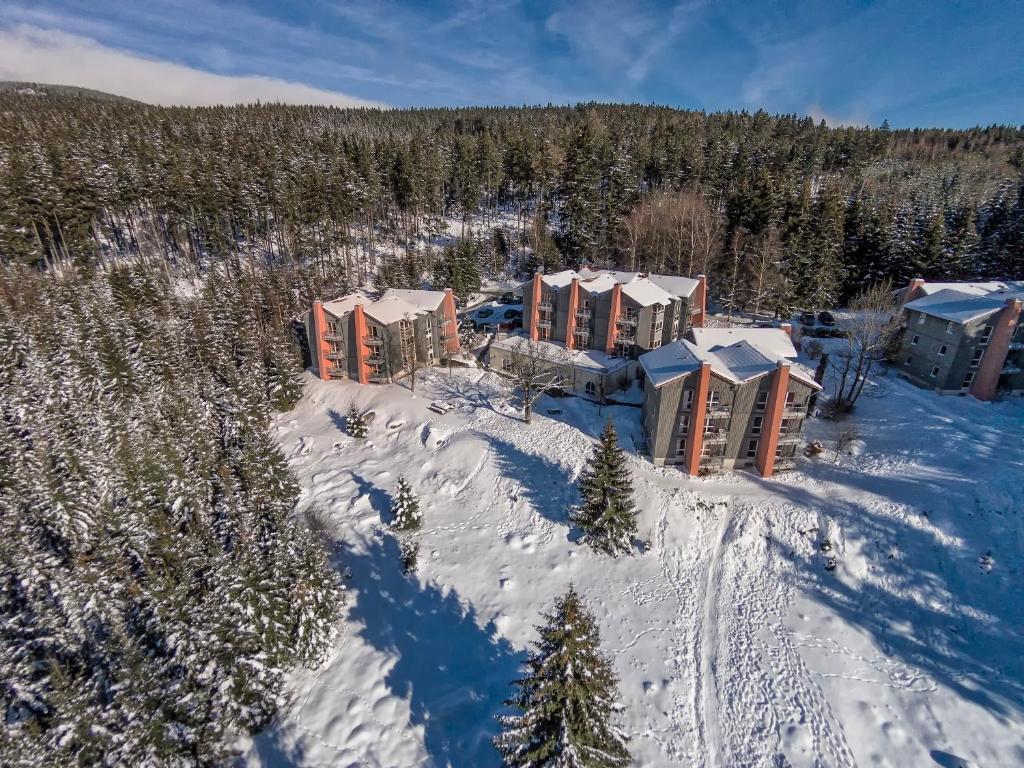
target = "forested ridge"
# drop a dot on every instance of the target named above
(779, 210)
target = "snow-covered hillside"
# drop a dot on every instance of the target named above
(735, 645)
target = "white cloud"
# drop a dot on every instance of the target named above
(47, 56)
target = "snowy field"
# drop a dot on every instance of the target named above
(734, 645)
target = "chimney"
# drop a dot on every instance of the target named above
(913, 290)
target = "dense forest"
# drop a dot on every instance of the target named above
(779, 211)
(156, 583)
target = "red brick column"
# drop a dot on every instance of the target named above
(695, 437)
(319, 343)
(574, 302)
(787, 328)
(986, 380)
(534, 310)
(613, 315)
(913, 289)
(769, 440)
(451, 346)
(362, 367)
(701, 294)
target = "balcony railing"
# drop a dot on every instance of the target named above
(624, 339)
(712, 462)
(373, 341)
(338, 373)
(379, 378)
(375, 360)
(1016, 346)
(335, 355)
(545, 306)
(784, 462)
(1011, 368)
(581, 332)
(625, 321)
(334, 337)
(583, 314)
(543, 323)
(794, 412)
(716, 438)
(790, 439)
(719, 411)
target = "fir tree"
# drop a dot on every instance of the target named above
(606, 513)
(405, 509)
(567, 698)
(355, 422)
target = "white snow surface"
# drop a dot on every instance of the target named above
(733, 643)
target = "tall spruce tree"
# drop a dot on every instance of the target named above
(405, 509)
(606, 513)
(567, 699)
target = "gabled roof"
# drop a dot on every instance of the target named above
(957, 306)
(559, 279)
(975, 289)
(598, 283)
(675, 284)
(391, 309)
(344, 305)
(646, 293)
(428, 301)
(747, 354)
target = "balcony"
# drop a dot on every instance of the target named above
(546, 306)
(581, 332)
(335, 355)
(1016, 346)
(791, 439)
(794, 412)
(784, 463)
(625, 321)
(625, 340)
(721, 437)
(719, 411)
(379, 378)
(582, 314)
(375, 359)
(338, 373)
(543, 323)
(373, 341)
(712, 463)
(1011, 368)
(333, 337)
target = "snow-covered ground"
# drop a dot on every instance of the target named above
(734, 644)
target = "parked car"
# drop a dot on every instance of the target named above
(485, 312)
(807, 318)
(825, 318)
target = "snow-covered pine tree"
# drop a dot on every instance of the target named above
(405, 509)
(606, 513)
(355, 423)
(567, 698)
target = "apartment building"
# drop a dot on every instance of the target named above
(621, 314)
(726, 398)
(963, 338)
(369, 341)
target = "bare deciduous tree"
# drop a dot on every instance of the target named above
(536, 368)
(870, 332)
(844, 433)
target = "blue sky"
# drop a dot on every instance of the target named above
(934, 63)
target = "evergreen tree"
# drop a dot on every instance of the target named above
(567, 698)
(606, 513)
(405, 509)
(355, 422)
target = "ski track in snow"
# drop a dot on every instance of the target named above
(720, 632)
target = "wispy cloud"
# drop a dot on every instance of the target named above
(42, 55)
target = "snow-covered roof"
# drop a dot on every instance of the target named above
(428, 301)
(391, 309)
(669, 362)
(559, 279)
(598, 283)
(958, 306)
(646, 293)
(344, 305)
(582, 358)
(974, 289)
(675, 284)
(746, 354)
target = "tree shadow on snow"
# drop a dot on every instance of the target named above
(548, 486)
(380, 500)
(455, 673)
(338, 420)
(929, 603)
(460, 390)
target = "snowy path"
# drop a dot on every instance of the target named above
(733, 644)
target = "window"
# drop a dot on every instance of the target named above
(705, 451)
(935, 371)
(920, 319)
(751, 449)
(709, 426)
(915, 339)
(976, 357)
(790, 399)
(762, 400)
(681, 446)
(986, 334)
(684, 423)
(506, 364)
(687, 399)
(908, 361)
(942, 349)
(778, 452)
(756, 426)
(714, 398)
(969, 378)
(590, 389)
(950, 326)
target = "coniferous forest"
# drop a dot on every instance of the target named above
(156, 583)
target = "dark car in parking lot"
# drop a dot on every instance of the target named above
(807, 318)
(825, 318)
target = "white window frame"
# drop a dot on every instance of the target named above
(751, 449)
(909, 360)
(943, 348)
(968, 379)
(934, 373)
(688, 399)
(714, 397)
(757, 425)
(914, 340)
(590, 388)
(920, 318)
(762, 400)
(986, 336)
(950, 325)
